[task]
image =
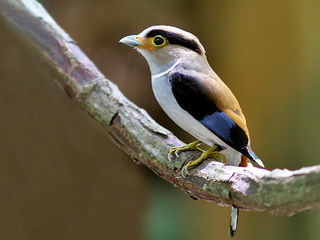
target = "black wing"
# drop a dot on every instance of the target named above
(192, 96)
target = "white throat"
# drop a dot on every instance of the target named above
(166, 71)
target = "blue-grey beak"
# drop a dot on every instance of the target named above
(131, 41)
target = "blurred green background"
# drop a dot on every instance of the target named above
(62, 177)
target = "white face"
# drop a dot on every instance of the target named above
(162, 57)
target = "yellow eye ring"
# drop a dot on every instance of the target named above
(158, 41)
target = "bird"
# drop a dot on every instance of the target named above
(195, 98)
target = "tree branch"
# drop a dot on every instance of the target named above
(279, 192)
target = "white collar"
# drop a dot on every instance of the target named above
(166, 71)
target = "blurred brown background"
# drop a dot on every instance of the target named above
(62, 178)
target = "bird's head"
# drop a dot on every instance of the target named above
(162, 46)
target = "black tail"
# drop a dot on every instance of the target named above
(252, 156)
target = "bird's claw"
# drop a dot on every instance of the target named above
(177, 150)
(184, 172)
(212, 152)
(173, 153)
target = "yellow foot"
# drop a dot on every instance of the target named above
(211, 152)
(191, 146)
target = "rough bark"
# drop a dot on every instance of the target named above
(278, 192)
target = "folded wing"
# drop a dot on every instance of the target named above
(218, 111)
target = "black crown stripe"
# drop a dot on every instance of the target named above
(174, 38)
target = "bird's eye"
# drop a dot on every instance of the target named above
(158, 41)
